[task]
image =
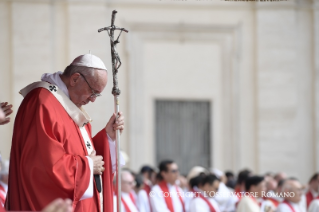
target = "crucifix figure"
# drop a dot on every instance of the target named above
(116, 64)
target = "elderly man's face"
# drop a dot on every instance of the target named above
(80, 91)
(295, 189)
(128, 182)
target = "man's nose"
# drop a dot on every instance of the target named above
(92, 99)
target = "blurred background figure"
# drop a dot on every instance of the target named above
(255, 186)
(313, 190)
(270, 195)
(166, 195)
(139, 186)
(193, 179)
(203, 200)
(280, 176)
(292, 190)
(231, 180)
(240, 184)
(128, 196)
(226, 200)
(149, 179)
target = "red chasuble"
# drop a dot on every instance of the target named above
(48, 160)
(2, 209)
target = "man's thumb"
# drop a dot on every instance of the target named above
(112, 119)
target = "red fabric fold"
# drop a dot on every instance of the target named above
(101, 145)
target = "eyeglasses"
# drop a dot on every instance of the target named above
(132, 183)
(94, 95)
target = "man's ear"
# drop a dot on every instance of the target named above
(163, 173)
(74, 79)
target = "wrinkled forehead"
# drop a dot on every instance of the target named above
(99, 79)
(127, 176)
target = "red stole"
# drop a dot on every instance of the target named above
(289, 205)
(167, 198)
(2, 209)
(274, 201)
(127, 209)
(101, 144)
(147, 189)
(211, 207)
(238, 193)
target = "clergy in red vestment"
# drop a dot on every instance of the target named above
(53, 153)
(149, 178)
(255, 186)
(128, 197)
(313, 192)
(166, 196)
(292, 190)
(203, 199)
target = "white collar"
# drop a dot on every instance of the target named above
(79, 116)
(195, 188)
(170, 186)
(203, 193)
(56, 80)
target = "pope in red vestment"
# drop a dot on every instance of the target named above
(52, 138)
